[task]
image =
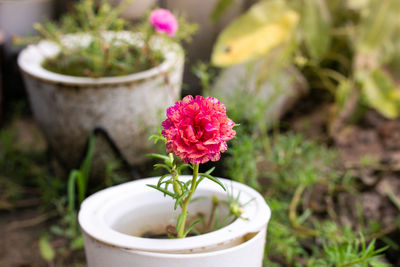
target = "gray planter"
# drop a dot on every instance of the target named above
(128, 108)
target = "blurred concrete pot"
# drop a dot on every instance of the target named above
(113, 221)
(271, 96)
(18, 16)
(69, 108)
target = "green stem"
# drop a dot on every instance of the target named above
(351, 263)
(186, 201)
(175, 183)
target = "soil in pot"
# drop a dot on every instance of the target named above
(103, 59)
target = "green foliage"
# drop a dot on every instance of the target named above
(296, 161)
(206, 74)
(107, 50)
(283, 171)
(242, 165)
(221, 7)
(101, 59)
(352, 253)
(316, 25)
(25, 179)
(185, 29)
(338, 43)
(102, 56)
(46, 250)
(379, 25)
(16, 163)
(380, 92)
(80, 178)
(23, 167)
(68, 226)
(286, 167)
(182, 191)
(111, 177)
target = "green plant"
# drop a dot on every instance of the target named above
(352, 253)
(77, 186)
(23, 169)
(206, 74)
(99, 48)
(196, 131)
(182, 192)
(348, 48)
(286, 168)
(242, 163)
(289, 170)
(80, 177)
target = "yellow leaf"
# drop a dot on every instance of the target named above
(266, 25)
(380, 92)
(46, 250)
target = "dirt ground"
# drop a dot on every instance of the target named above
(20, 230)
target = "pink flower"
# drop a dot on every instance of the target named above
(197, 129)
(163, 21)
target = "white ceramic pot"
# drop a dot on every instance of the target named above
(113, 220)
(18, 16)
(69, 108)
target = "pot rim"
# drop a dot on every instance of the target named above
(30, 60)
(92, 218)
(207, 254)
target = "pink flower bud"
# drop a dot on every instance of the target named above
(163, 21)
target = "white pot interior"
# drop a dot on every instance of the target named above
(121, 214)
(156, 216)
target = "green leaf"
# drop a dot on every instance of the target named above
(215, 180)
(87, 163)
(376, 30)
(224, 221)
(180, 198)
(81, 183)
(158, 156)
(162, 178)
(202, 176)
(191, 227)
(220, 8)
(46, 250)
(71, 189)
(80, 177)
(316, 28)
(264, 26)
(380, 92)
(77, 243)
(166, 192)
(343, 92)
(57, 230)
(183, 166)
(210, 170)
(158, 165)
